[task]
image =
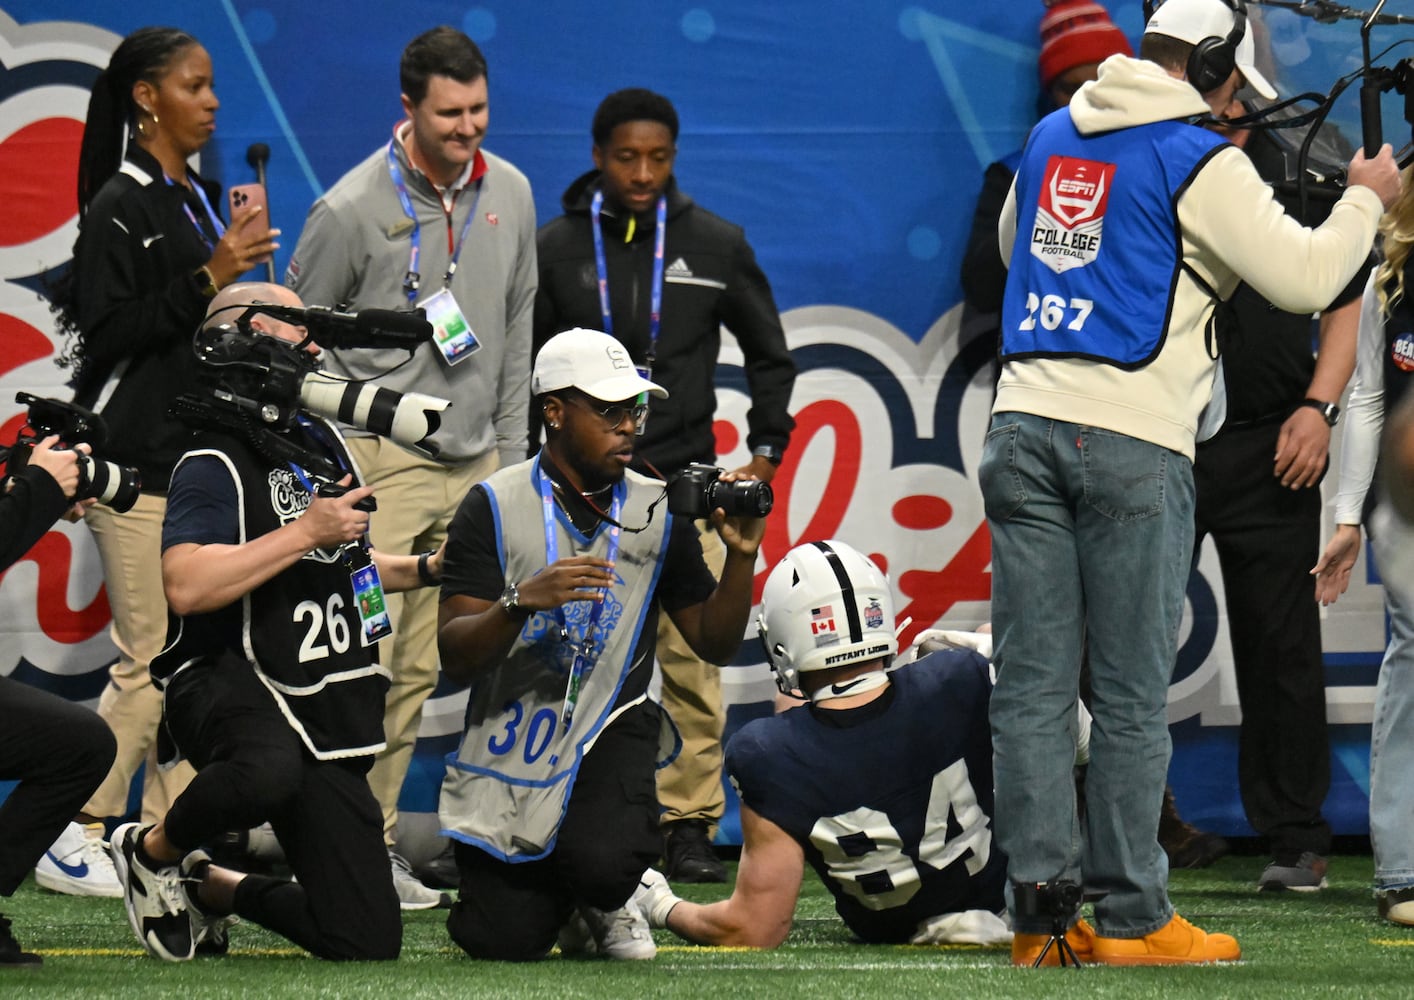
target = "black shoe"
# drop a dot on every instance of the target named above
(688, 854)
(11, 954)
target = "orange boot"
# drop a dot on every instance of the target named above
(1177, 942)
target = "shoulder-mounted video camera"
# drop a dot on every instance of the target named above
(251, 382)
(115, 486)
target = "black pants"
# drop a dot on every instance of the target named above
(1268, 538)
(59, 752)
(252, 767)
(610, 834)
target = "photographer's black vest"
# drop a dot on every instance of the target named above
(300, 631)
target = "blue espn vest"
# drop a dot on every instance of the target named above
(1098, 251)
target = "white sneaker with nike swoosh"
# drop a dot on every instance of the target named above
(77, 864)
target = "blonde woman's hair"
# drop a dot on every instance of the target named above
(1397, 232)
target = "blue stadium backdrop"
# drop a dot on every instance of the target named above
(847, 136)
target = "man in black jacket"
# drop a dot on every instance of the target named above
(637, 258)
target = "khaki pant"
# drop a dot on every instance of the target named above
(416, 500)
(691, 786)
(130, 547)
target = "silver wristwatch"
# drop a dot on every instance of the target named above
(510, 600)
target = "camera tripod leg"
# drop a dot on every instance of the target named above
(1065, 954)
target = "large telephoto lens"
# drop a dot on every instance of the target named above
(409, 418)
(113, 485)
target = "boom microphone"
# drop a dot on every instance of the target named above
(365, 328)
(257, 154)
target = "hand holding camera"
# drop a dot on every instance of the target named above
(58, 428)
(337, 514)
(61, 463)
(699, 489)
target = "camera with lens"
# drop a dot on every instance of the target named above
(1058, 900)
(115, 486)
(696, 491)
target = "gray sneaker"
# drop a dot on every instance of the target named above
(621, 934)
(575, 939)
(1306, 873)
(155, 900)
(412, 894)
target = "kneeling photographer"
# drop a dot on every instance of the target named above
(557, 569)
(271, 684)
(58, 751)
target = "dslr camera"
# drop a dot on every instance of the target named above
(696, 491)
(115, 486)
(1058, 900)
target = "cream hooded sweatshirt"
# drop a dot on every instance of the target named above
(1232, 230)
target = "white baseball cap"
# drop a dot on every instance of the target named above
(592, 362)
(1192, 21)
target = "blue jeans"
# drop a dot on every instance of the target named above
(1392, 731)
(1092, 533)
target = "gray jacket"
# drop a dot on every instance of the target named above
(354, 252)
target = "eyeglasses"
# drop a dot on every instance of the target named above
(613, 414)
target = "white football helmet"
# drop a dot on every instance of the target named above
(824, 605)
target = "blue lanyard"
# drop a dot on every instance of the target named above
(316, 432)
(215, 219)
(655, 307)
(583, 650)
(413, 280)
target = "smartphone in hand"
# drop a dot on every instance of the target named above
(241, 197)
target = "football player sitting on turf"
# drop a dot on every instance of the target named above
(883, 782)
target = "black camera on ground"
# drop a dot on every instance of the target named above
(115, 486)
(1058, 900)
(696, 491)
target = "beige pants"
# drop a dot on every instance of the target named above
(691, 786)
(130, 547)
(416, 500)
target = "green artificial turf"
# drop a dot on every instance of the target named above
(1326, 944)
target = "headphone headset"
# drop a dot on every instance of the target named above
(1213, 59)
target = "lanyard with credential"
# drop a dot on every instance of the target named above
(413, 280)
(583, 650)
(655, 307)
(215, 219)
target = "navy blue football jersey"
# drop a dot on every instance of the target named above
(892, 801)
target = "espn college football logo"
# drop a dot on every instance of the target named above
(1070, 215)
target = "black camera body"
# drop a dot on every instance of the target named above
(1058, 900)
(115, 486)
(331, 490)
(696, 491)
